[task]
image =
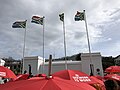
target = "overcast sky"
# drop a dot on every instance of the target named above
(103, 20)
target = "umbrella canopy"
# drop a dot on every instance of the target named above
(54, 83)
(99, 77)
(112, 76)
(74, 75)
(101, 83)
(22, 77)
(78, 76)
(40, 75)
(112, 69)
(6, 73)
(97, 80)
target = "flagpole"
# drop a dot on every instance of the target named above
(64, 44)
(43, 45)
(91, 64)
(24, 48)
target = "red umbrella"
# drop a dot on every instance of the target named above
(99, 77)
(6, 73)
(74, 75)
(26, 76)
(22, 77)
(54, 83)
(78, 76)
(101, 83)
(97, 80)
(112, 76)
(112, 69)
(40, 75)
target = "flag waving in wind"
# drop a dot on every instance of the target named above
(82, 16)
(61, 16)
(19, 24)
(37, 20)
(79, 16)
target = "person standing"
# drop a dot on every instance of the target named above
(30, 73)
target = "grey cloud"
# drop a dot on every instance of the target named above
(78, 35)
(11, 40)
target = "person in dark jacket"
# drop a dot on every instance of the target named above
(30, 69)
(111, 85)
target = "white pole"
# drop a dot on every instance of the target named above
(43, 44)
(91, 64)
(64, 44)
(24, 48)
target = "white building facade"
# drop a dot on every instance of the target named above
(60, 65)
(95, 59)
(37, 64)
(2, 62)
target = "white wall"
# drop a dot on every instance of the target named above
(96, 60)
(2, 62)
(35, 62)
(60, 65)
